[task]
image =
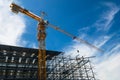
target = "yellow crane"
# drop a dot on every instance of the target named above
(41, 38)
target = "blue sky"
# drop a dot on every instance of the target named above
(97, 22)
(78, 17)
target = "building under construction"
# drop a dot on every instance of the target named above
(18, 63)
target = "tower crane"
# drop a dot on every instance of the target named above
(42, 36)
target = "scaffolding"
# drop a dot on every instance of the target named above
(18, 63)
(68, 68)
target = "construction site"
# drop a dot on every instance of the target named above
(20, 63)
(17, 63)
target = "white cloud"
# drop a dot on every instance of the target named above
(107, 64)
(106, 19)
(114, 50)
(85, 50)
(102, 40)
(79, 49)
(109, 68)
(12, 26)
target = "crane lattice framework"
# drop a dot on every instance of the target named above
(41, 38)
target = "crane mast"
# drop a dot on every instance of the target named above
(42, 51)
(40, 37)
